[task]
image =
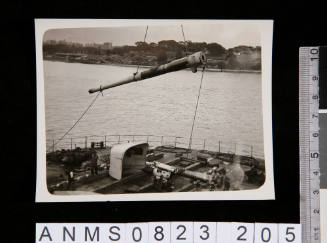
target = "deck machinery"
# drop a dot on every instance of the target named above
(134, 168)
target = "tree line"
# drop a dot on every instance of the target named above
(143, 53)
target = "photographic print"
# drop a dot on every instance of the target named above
(154, 110)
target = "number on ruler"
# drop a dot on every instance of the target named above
(315, 78)
(314, 155)
(315, 134)
(315, 192)
(314, 51)
(315, 115)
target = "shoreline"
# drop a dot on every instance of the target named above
(207, 69)
(145, 66)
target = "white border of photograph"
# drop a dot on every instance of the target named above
(265, 192)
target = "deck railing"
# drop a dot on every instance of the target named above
(155, 140)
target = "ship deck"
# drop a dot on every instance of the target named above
(142, 181)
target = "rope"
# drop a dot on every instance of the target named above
(184, 40)
(196, 109)
(146, 32)
(90, 105)
(198, 98)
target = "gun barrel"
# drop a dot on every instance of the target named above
(186, 173)
(195, 175)
(193, 61)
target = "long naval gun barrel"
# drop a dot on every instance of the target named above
(192, 61)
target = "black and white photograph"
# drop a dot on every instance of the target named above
(154, 110)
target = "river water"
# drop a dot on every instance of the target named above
(229, 111)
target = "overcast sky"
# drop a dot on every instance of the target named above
(227, 34)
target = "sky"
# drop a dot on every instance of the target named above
(227, 34)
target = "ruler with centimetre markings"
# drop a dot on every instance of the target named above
(309, 143)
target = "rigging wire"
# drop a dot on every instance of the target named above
(95, 98)
(93, 101)
(199, 93)
(185, 44)
(86, 110)
(196, 109)
(146, 32)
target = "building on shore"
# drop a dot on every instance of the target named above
(107, 46)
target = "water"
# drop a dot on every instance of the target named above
(229, 108)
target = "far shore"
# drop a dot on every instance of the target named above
(144, 66)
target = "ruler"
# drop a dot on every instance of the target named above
(309, 144)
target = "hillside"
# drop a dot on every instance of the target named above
(151, 54)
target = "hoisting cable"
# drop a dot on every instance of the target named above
(90, 105)
(86, 110)
(198, 98)
(196, 109)
(146, 32)
(185, 44)
(100, 92)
